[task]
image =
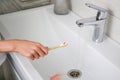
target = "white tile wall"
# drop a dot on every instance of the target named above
(7, 6)
(113, 26)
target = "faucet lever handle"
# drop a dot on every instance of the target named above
(96, 7)
(101, 14)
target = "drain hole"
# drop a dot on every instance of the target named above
(74, 73)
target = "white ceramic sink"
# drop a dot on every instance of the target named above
(95, 61)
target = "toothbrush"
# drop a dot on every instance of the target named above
(64, 44)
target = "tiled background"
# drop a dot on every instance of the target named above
(7, 6)
(113, 25)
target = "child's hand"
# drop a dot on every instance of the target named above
(56, 77)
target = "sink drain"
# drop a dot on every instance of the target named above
(74, 73)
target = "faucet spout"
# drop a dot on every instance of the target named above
(87, 22)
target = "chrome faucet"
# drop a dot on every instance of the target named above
(98, 22)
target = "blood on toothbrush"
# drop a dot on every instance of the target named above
(56, 76)
(65, 43)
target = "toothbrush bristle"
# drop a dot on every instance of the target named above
(65, 43)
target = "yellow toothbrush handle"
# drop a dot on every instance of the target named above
(55, 47)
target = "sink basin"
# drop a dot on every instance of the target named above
(93, 61)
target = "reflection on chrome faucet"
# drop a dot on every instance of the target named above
(98, 22)
(1, 36)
